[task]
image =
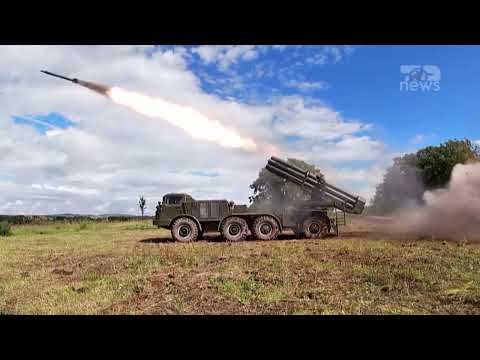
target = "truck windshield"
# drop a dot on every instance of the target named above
(172, 200)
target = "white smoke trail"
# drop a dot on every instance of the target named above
(197, 125)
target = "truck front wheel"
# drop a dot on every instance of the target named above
(184, 230)
(235, 229)
(265, 228)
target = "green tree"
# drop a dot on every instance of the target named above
(271, 191)
(142, 204)
(436, 162)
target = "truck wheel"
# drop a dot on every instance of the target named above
(265, 228)
(315, 228)
(234, 229)
(184, 230)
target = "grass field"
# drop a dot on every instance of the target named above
(133, 268)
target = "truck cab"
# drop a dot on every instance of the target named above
(175, 198)
(169, 208)
(204, 212)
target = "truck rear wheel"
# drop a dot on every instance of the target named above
(184, 230)
(315, 227)
(234, 229)
(265, 228)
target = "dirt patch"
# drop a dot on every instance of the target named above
(355, 234)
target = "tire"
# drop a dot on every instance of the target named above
(184, 230)
(315, 227)
(234, 229)
(265, 228)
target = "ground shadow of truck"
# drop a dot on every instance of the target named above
(216, 237)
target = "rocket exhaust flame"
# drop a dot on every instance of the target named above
(197, 125)
(98, 88)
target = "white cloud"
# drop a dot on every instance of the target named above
(295, 117)
(54, 132)
(208, 53)
(112, 155)
(330, 54)
(226, 55)
(306, 85)
(335, 52)
(360, 181)
(350, 148)
(477, 142)
(317, 59)
(104, 207)
(68, 189)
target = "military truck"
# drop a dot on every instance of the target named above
(188, 219)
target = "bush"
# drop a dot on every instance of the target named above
(83, 226)
(5, 229)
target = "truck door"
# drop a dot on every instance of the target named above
(191, 208)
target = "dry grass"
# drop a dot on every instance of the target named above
(132, 268)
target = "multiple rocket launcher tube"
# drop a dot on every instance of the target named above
(340, 199)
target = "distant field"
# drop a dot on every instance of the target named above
(72, 218)
(133, 268)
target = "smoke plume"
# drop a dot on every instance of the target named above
(453, 212)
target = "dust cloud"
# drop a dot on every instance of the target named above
(451, 213)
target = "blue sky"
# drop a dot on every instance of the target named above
(340, 107)
(43, 123)
(368, 88)
(365, 85)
